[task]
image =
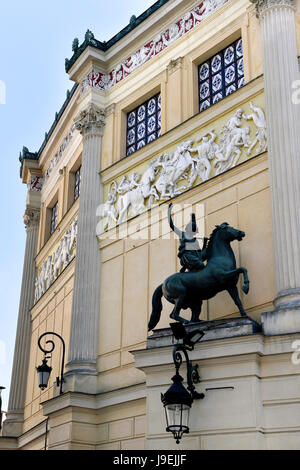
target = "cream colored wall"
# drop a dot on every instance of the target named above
(251, 389)
(51, 313)
(122, 427)
(133, 268)
(119, 426)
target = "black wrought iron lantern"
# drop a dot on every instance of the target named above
(43, 372)
(177, 402)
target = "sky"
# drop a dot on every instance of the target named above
(35, 39)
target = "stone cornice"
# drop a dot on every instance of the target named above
(90, 121)
(263, 6)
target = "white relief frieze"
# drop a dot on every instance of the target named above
(55, 160)
(193, 161)
(57, 261)
(152, 48)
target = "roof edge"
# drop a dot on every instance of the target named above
(26, 154)
(104, 46)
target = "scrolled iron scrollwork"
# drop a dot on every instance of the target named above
(59, 381)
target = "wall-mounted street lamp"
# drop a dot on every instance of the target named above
(44, 370)
(178, 400)
(1, 388)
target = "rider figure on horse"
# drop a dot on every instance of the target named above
(189, 252)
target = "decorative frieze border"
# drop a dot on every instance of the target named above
(206, 153)
(55, 263)
(191, 19)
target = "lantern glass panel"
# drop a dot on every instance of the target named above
(178, 417)
(43, 378)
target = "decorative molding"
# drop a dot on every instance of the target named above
(59, 153)
(175, 64)
(262, 6)
(31, 218)
(55, 263)
(104, 46)
(35, 183)
(192, 162)
(191, 19)
(90, 121)
(110, 109)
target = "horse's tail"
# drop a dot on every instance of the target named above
(156, 308)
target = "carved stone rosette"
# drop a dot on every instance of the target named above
(262, 6)
(31, 218)
(90, 121)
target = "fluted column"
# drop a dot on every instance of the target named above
(277, 19)
(85, 307)
(15, 415)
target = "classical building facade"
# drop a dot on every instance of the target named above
(194, 103)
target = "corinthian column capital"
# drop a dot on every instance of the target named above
(90, 121)
(31, 218)
(262, 6)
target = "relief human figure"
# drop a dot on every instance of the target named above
(189, 252)
(165, 183)
(42, 278)
(36, 289)
(107, 210)
(49, 271)
(207, 150)
(174, 168)
(73, 235)
(234, 139)
(258, 117)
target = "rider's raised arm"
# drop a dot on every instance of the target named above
(175, 229)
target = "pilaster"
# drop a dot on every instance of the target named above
(13, 425)
(81, 368)
(277, 18)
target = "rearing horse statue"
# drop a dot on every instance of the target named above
(189, 289)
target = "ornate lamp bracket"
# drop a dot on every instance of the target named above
(188, 342)
(192, 371)
(59, 380)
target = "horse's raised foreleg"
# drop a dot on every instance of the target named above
(238, 271)
(234, 294)
(178, 306)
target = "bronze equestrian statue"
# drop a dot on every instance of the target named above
(189, 289)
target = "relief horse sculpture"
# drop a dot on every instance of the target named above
(135, 193)
(189, 289)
